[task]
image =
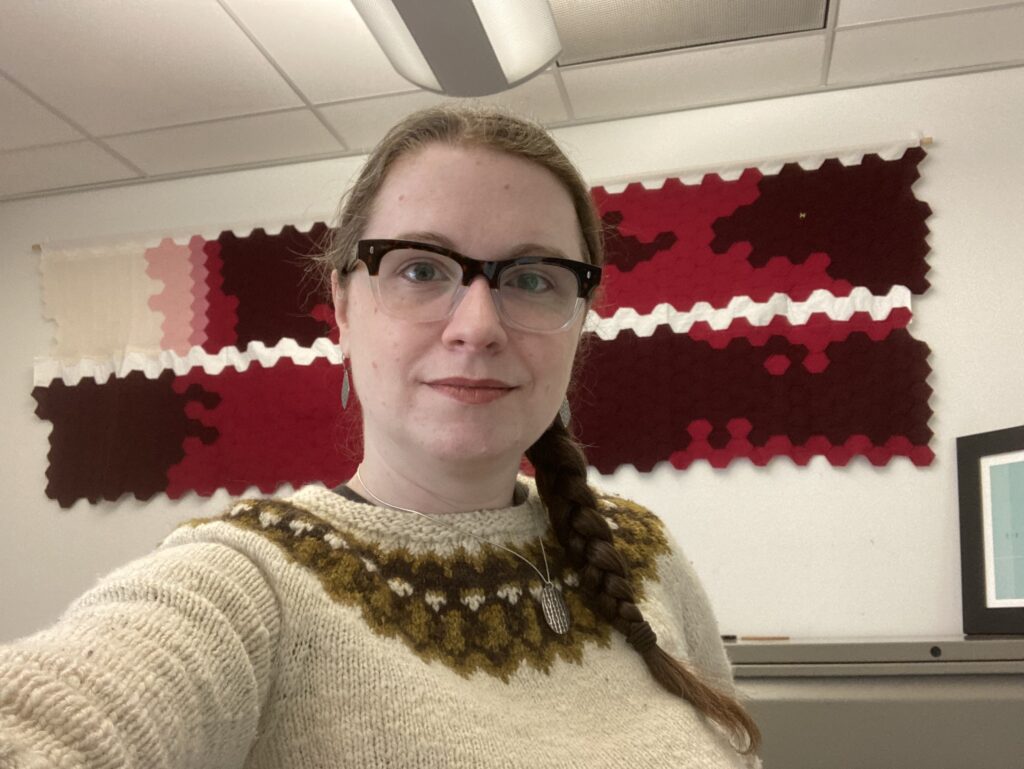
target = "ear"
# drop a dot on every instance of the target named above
(340, 297)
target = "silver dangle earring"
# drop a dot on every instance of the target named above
(564, 414)
(346, 388)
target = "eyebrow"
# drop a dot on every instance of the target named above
(523, 249)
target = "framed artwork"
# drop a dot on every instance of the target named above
(991, 487)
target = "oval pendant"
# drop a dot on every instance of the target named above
(556, 613)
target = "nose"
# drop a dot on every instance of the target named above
(475, 323)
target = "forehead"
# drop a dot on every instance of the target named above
(482, 200)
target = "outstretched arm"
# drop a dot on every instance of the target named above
(164, 665)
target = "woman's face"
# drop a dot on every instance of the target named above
(466, 389)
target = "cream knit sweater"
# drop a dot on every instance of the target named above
(320, 632)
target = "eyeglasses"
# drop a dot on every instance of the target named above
(423, 282)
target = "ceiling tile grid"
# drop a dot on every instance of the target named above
(59, 166)
(538, 98)
(928, 45)
(868, 11)
(24, 122)
(324, 46)
(235, 142)
(110, 91)
(128, 66)
(361, 123)
(715, 75)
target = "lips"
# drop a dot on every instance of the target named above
(471, 390)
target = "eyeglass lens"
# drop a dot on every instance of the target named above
(423, 286)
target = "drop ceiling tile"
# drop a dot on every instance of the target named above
(239, 141)
(538, 99)
(362, 123)
(662, 82)
(116, 67)
(26, 123)
(888, 51)
(58, 165)
(324, 46)
(866, 11)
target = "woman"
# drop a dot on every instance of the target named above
(439, 609)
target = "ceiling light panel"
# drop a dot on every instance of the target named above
(596, 30)
(386, 23)
(520, 40)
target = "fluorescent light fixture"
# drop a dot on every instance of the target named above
(464, 47)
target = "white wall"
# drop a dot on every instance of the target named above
(813, 552)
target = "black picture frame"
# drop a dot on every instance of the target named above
(982, 521)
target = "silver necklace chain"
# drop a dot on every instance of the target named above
(546, 580)
(552, 602)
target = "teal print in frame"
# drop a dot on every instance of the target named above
(1002, 495)
(990, 470)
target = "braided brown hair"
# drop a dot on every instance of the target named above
(561, 473)
(561, 469)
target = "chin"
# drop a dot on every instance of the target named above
(476, 444)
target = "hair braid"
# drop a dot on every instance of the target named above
(561, 474)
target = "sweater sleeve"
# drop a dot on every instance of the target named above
(165, 664)
(700, 626)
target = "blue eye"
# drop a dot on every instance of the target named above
(530, 282)
(422, 272)
(410, 270)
